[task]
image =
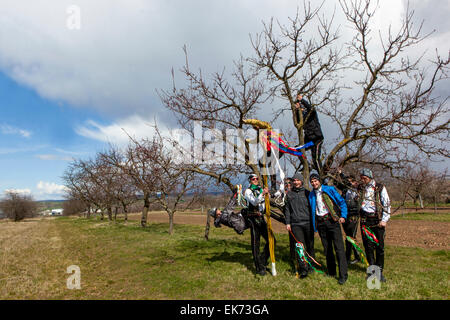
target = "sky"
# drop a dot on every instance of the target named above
(70, 86)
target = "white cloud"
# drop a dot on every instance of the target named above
(20, 191)
(51, 157)
(7, 129)
(21, 149)
(126, 49)
(50, 188)
(118, 133)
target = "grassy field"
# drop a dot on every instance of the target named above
(124, 261)
(424, 216)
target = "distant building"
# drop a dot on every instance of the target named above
(57, 212)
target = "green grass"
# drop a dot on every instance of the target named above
(125, 261)
(413, 205)
(425, 216)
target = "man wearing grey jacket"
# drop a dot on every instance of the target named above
(298, 219)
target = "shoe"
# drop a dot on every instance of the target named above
(382, 278)
(342, 280)
(304, 274)
(261, 272)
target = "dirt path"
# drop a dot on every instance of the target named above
(406, 233)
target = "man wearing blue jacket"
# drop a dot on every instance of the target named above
(328, 211)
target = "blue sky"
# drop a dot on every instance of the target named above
(66, 93)
(37, 139)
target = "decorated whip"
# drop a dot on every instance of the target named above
(273, 139)
(269, 229)
(300, 248)
(369, 235)
(240, 197)
(363, 257)
(301, 253)
(265, 125)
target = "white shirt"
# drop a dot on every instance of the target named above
(368, 203)
(256, 201)
(350, 195)
(321, 209)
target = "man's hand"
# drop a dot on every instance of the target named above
(266, 191)
(341, 220)
(382, 224)
(288, 227)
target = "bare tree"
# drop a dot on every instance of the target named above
(136, 162)
(18, 206)
(392, 113)
(73, 206)
(172, 181)
(81, 187)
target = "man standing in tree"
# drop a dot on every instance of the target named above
(258, 226)
(298, 220)
(328, 210)
(375, 213)
(311, 128)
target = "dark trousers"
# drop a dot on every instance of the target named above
(374, 252)
(258, 228)
(316, 150)
(304, 234)
(331, 235)
(350, 226)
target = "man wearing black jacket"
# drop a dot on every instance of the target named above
(298, 219)
(350, 225)
(311, 128)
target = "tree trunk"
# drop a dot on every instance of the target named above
(170, 223)
(115, 213)
(125, 212)
(88, 215)
(145, 211)
(420, 201)
(207, 226)
(110, 213)
(435, 204)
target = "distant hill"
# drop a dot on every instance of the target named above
(49, 204)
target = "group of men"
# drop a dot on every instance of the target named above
(321, 210)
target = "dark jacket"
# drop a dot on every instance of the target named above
(297, 209)
(232, 220)
(311, 127)
(352, 200)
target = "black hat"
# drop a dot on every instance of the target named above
(212, 212)
(314, 176)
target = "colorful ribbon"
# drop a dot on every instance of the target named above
(369, 235)
(272, 139)
(361, 253)
(301, 253)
